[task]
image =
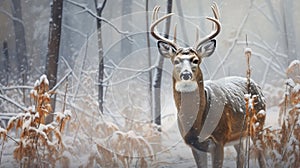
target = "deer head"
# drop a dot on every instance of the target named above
(186, 60)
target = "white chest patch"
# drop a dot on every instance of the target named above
(186, 86)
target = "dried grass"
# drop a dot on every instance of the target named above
(283, 143)
(122, 149)
(130, 147)
(39, 144)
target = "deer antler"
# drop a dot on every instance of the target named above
(217, 26)
(153, 29)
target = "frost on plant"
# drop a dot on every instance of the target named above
(39, 144)
(283, 143)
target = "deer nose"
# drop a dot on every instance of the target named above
(186, 75)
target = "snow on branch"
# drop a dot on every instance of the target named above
(4, 97)
(88, 10)
(230, 49)
(12, 17)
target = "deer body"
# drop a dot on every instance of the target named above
(210, 113)
(229, 91)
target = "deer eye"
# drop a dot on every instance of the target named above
(195, 61)
(176, 62)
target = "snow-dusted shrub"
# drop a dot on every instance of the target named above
(283, 143)
(122, 149)
(39, 144)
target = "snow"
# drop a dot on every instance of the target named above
(296, 88)
(26, 122)
(59, 116)
(262, 112)
(290, 82)
(68, 113)
(11, 120)
(44, 79)
(247, 49)
(36, 115)
(293, 63)
(37, 83)
(33, 92)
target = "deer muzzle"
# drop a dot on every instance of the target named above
(186, 75)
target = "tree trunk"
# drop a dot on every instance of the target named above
(289, 30)
(182, 23)
(149, 58)
(21, 51)
(53, 47)
(6, 67)
(100, 54)
(126, 46)
(157, 82)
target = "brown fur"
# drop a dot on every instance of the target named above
(229, 127)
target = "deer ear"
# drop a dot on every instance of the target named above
(165, 49)
(207, 48)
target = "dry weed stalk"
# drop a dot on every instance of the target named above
(111, 145)
(39, 144)
(283, 143)
(253, 118)
(122, 149)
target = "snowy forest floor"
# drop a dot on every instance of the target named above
(89, 141)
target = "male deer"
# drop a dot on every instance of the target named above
(210, 113)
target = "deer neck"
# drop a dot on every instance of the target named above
(190, 109)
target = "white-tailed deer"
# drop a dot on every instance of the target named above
(210, 113)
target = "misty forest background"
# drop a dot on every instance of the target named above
(103, 66)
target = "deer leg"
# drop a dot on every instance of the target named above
(239, 148)
(217, 155)
(204, 146)
(200, 158)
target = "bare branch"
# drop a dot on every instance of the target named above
(266, 61)
(12, 17)
(16, 87)
(61, 81)
(89, 11)
(4, 97)
(74, 30)
(232, 45)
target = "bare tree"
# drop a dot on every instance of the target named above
(100, 53)
(126, 46)
(289, 30)
(158, 75)
(5, 68)
(149, 57)
(182, 24)
(53, 44)
(19, 29)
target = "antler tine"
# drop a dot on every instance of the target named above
(197, 36)
(217, 28)
(215, 10)
(175, 33)
(216, 31)
(156, 21)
